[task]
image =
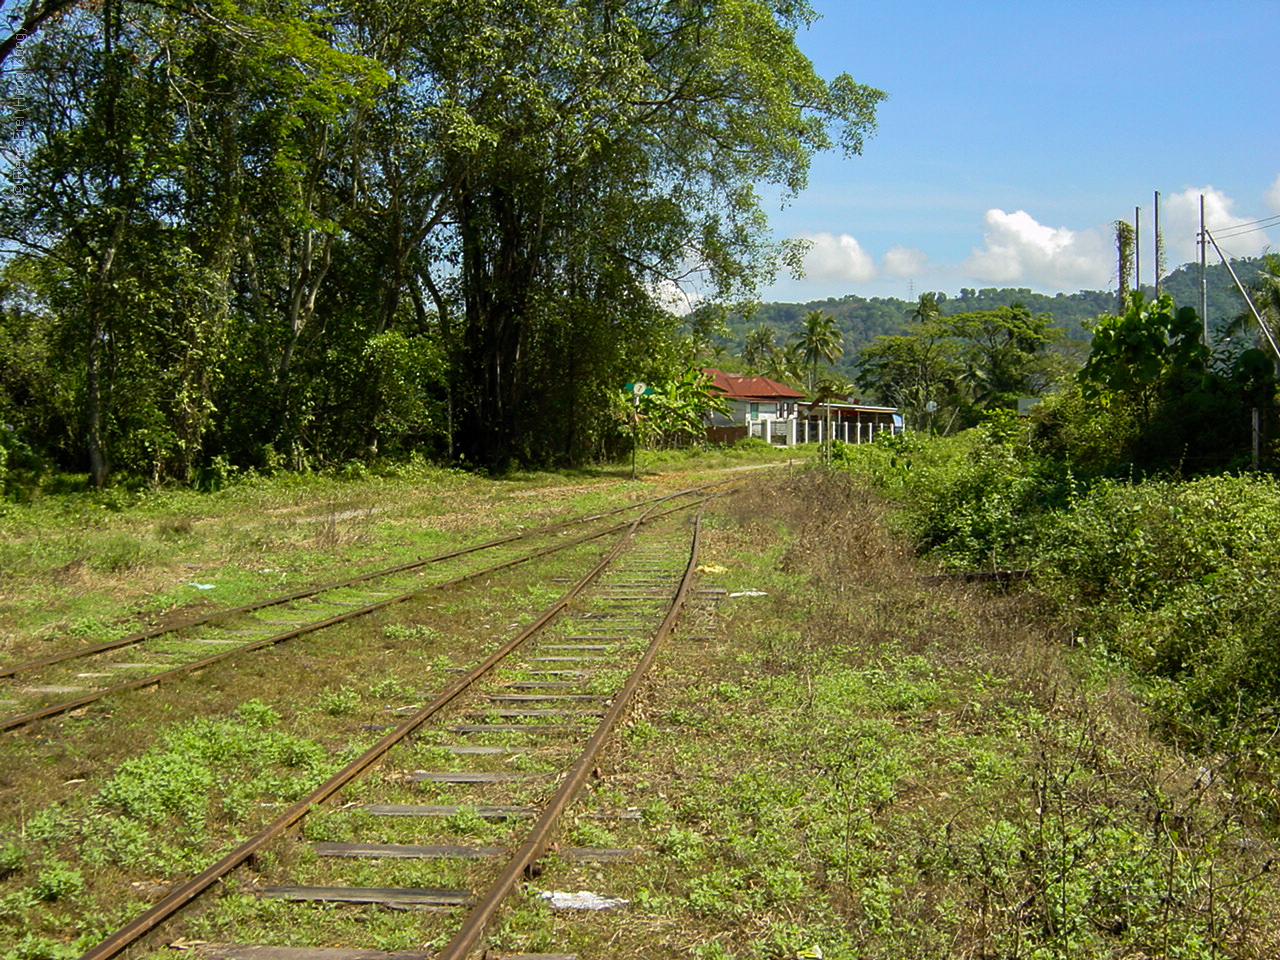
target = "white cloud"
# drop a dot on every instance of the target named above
(832, 258)
(902, 261)
(1019, 250)
(1273, 195)
(1180, 223)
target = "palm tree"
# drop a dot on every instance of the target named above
(926, 309)
(820, 339)
(785, 365)
(1266, 294)
(760, 345)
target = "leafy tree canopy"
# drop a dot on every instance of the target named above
(949, 368)
(280, 232)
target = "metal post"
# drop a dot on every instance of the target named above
(1257, 438)
(1204, 290)
(635, 435)
(1137, 250)
(1157, 242)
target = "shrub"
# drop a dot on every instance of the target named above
(1174, 578)
(972, 501)
(258, 714)
(57, 881)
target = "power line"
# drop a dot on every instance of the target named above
(1253, 226)
(1247, 223)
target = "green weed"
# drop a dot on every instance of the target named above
(682, 845)
(468, 824)
(588, 833)
(258, 714)
(57, 881)
(411, 632)
(33, 947)
(116, 553)
(340, 702)
(391, 688)
(13, 857)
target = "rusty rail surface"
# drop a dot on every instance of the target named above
(533, 847)
(66, 706)
(151, 634)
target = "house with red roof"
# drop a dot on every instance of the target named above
(776, 413)
(751, 400)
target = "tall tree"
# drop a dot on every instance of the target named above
(1140, 352)
(786, 364)
(1159, 399)
(917, 374)
(619, 140)
(760, 344)
(1004, 353)
(820, 339)
(1264, 291)
(22, 23)
(257, 228)
(162, 148)
(961, 364)
(926, 309)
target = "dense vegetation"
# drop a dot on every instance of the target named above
(257, 237)
(1127, 497)
(248, 234)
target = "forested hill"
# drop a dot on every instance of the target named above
(861, 320)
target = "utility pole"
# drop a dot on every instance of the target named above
(1204, 287)
(1137, 249)
(1159, 251)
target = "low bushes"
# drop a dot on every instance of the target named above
(1175, 578)
(1170, 579)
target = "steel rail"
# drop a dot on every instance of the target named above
(188, 891)
(465, 940)
(139, 637)
(65, 706)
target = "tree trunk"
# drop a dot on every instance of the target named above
(99, 466)
(499, 266)
(99, 460)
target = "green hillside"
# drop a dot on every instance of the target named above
(861, 320)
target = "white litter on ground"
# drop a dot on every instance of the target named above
(582, 900)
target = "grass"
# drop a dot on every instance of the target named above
(107, 564)
(103, 807)
(863, 764)
(843, 758)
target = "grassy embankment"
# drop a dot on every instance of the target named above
(845, 757)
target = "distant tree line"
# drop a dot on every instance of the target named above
(1144, 392)
(860, 320)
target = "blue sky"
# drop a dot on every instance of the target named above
(1016, 133)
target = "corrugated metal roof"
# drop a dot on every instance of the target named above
(737, 387)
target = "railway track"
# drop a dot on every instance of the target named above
(515, 739)
(74, 678)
